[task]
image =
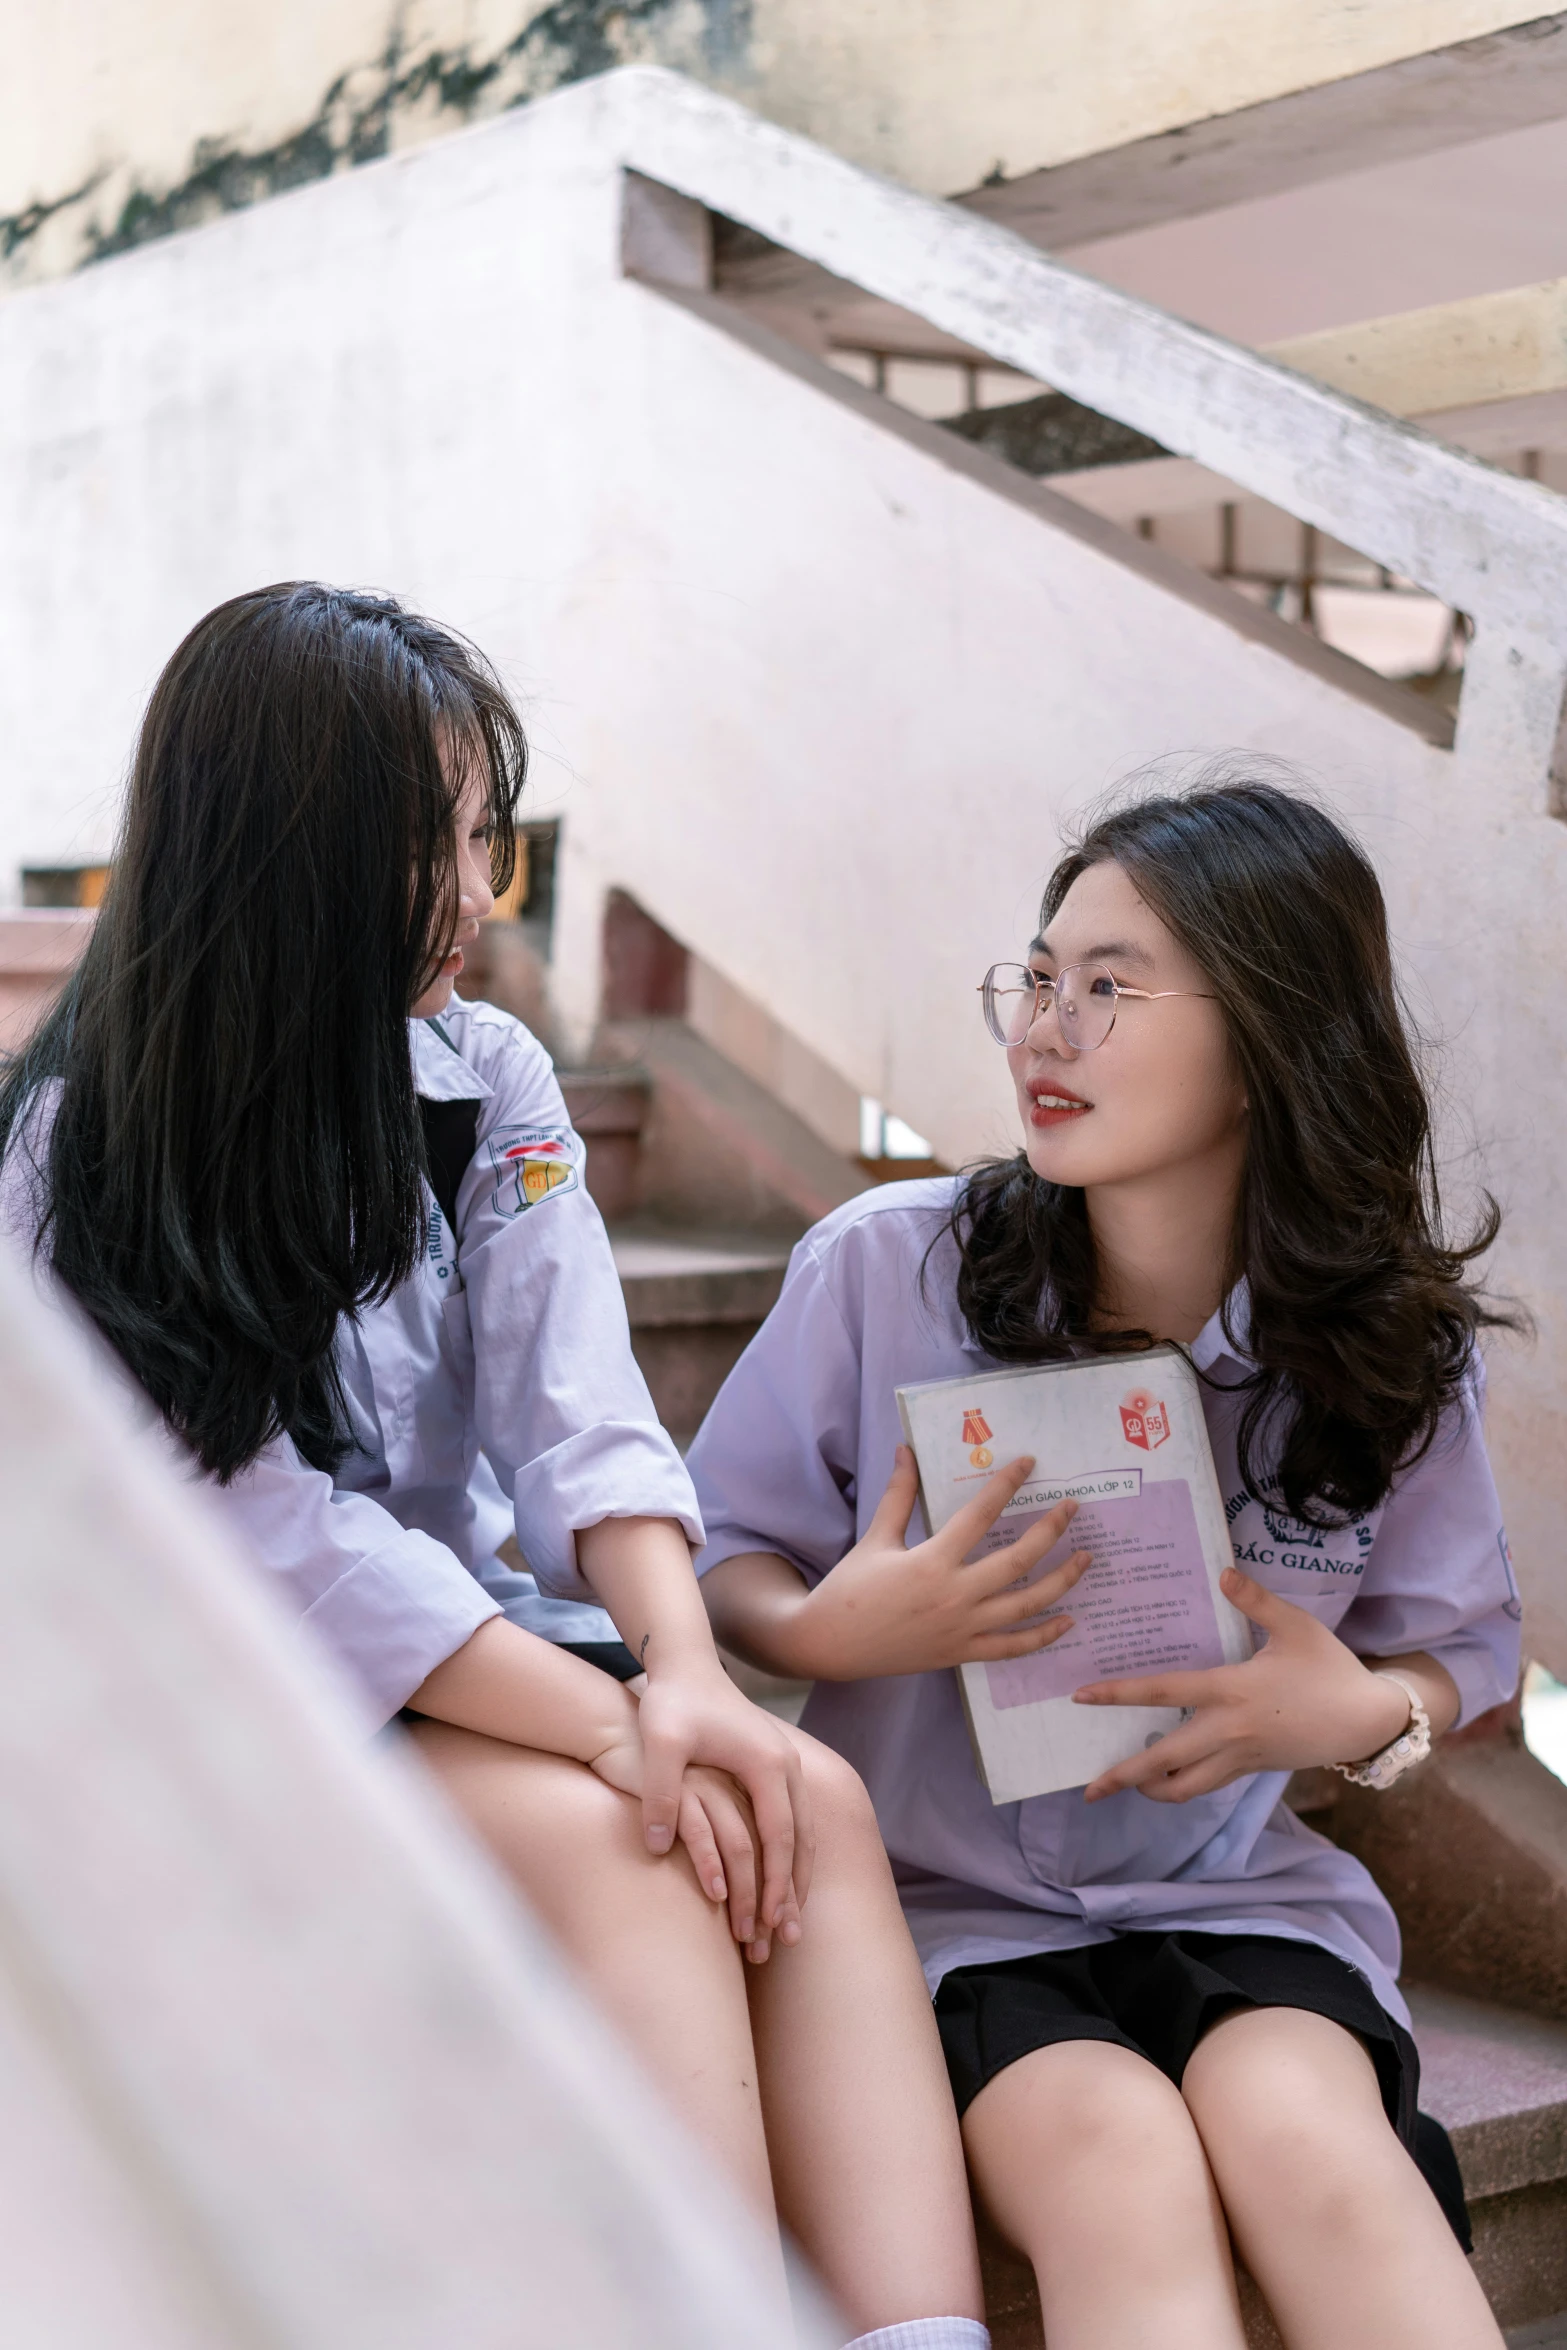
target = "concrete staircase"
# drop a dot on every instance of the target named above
(705, 1183)
(704, 1176)
(693, 1300)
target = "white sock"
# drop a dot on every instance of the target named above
(926, 2333)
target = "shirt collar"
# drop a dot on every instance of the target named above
(440, 1072)
(1213, 1344)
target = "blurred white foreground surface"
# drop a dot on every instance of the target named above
(282, 2063)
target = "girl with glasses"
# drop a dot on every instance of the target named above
(1170, 2010)
(335, 1224)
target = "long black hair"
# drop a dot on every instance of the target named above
(1362, 1322)
(234, 1153)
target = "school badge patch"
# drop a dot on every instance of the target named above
(530, 1162)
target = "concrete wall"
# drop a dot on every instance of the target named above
(121, 119)
(817, 684)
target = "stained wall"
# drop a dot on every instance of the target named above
(123, 119)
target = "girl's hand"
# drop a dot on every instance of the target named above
(888, 1607)
(718, 1830)
(691, 1712)
(1304, 1699)
(694, 1715)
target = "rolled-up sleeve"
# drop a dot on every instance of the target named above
(1440, 1577)
(391, 1604)
(562, 1410)
(774, 1461)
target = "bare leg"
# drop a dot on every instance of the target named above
(1087, 2160)
(1328, 2211)
(867, 2161)
(653, 1948)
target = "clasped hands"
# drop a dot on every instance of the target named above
(715, 1773)
(891, 1607)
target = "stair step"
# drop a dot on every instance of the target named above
(38, 947)
(1499, 2082)
(680, 1278)
(718, 1152)
(609, 1109)
(693, 1299)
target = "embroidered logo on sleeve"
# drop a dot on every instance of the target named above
(530, 1162)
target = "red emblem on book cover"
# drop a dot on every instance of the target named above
(1145, 1421)
(976, 1435)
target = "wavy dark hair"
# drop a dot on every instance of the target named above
(1362, 1322)
(235, 1154)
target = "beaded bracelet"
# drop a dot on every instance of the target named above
(1412, 1744)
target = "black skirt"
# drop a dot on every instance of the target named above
(1158, 1993)
(611, 1656)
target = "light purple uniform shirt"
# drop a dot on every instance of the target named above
(495, 1391)
(794, 1457)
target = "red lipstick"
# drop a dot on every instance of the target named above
(1054, 1104)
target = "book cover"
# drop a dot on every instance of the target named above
(1124, 1437)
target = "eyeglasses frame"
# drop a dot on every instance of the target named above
(1043, 980)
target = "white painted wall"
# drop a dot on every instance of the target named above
(815, 683)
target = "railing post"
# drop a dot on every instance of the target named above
(1510, 720)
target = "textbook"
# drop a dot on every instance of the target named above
(1124, 1437)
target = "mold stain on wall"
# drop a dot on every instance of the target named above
(402, 97)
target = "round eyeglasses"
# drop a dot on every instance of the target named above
(1087, 997)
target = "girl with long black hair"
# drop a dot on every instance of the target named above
(1170, 2010)
(335, 1225)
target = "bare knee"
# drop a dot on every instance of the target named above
(846, 1845)
(1078, 2131)
(1084, 2104)
(1290, 2114)
(839, 1802)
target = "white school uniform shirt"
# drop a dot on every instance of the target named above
(794, 1457)
(493, 1392)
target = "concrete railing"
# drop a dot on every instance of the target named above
(1486, 542)
(284, 2065)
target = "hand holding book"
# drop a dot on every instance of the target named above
(1302, 1700)
(1125, 1439)
(887, 1608)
